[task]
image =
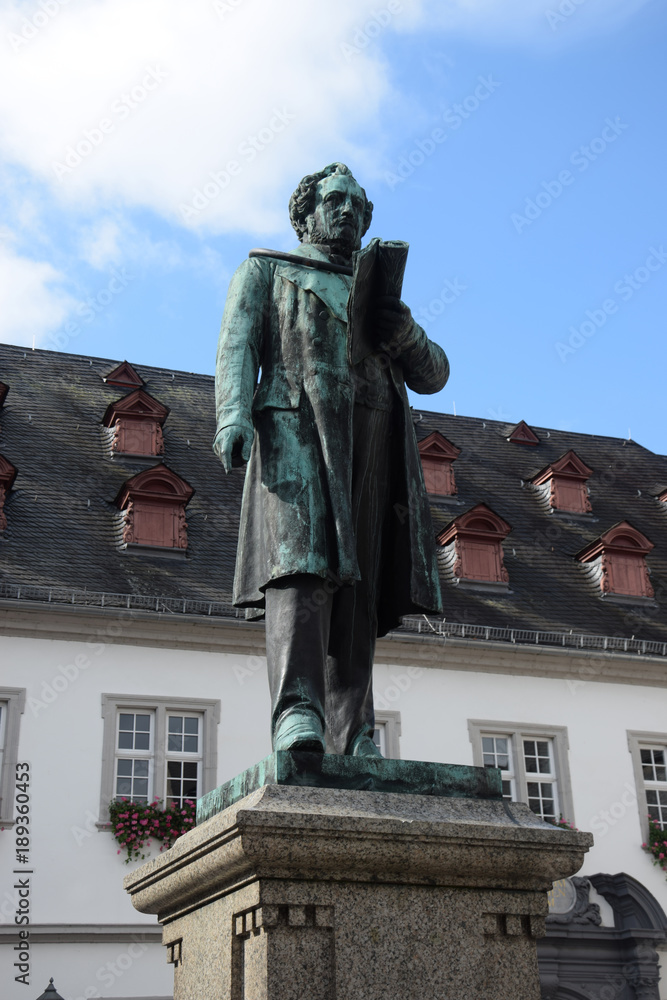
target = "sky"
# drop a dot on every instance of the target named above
(518, 146)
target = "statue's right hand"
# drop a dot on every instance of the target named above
(234, 445)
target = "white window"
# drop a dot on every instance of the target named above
(183, 758)
(649, 758)
(158, 748)
(497, 752)
(655, 783)
(3, 730)
(532, 761)
(386, 734)
(12, 703)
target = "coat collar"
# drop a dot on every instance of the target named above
(332, 289)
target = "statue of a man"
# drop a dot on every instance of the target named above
(335, 540)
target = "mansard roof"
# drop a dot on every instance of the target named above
(61, 530)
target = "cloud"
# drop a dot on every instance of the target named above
(33, 301)
(206, 113)
(100, 244)
(202, 112)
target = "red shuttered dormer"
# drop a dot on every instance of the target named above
(136, 422)
(617, 562)
(437, 457)
(565, 482)
(153, 510)
(7, 477)
(473, 544)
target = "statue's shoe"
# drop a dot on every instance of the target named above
(299, 730)
(363, 746)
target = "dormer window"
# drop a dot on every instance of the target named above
(473, 547)
(152, 506)
(523, 434)
(4, 389)
(616, 562)
(663, 497)
(7, 477)
(136, 424)
(563, 484)
(125, 376)
(438, 456)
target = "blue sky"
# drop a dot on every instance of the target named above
(518, 145)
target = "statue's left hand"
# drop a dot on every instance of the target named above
(394, 323)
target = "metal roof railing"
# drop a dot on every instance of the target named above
(569, 640)
(420, 625)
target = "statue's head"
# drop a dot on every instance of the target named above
(330, 208)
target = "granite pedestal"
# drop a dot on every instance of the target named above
(300, 892)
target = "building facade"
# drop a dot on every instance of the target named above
(126, 672)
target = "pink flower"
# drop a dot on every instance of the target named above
(143, 822)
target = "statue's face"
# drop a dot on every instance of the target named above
(338, 215)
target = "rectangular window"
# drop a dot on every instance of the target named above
(649, 758)
(541, 778)
(12, 703)
(3, 730)
(497, 752)
(532, 761)
(386, 734)
(158, 748)
(134, 756)
(183, 758)
(655, 780)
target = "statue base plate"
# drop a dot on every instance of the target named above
(373, 774)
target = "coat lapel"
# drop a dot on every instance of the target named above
(332, 289)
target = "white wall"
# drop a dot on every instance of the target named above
(77, 872)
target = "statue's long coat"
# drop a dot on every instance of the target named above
(291, 322)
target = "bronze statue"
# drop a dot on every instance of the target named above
(335, 541)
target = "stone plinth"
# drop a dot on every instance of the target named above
(305, 893)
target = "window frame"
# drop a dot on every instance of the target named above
(14, 698)
(391, 723)
(517, 732)
(112, 704)
(637, 740)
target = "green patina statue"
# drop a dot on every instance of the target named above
(335, 541)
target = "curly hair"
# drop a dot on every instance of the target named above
(302, 202)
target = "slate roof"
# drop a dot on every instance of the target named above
(61, 515)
